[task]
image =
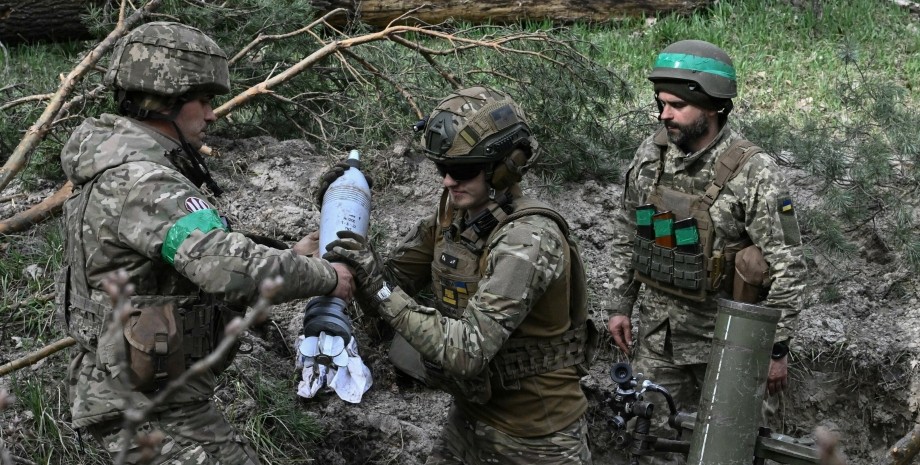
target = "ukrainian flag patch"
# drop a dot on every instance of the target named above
(785, 206)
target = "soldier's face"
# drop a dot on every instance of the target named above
(689, 127)
(194, 118)
(471, 194)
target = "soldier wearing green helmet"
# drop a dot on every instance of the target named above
(508, 333)
(138, 206)
(706, 214)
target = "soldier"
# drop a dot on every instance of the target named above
(137, 206)
(698, 167)
(509, 333)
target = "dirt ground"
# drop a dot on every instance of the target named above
(854, 358)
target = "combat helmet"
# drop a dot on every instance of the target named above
(480, 125)
(700, 62)
(166, 60)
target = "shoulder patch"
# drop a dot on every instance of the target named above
(785, 205)
(194, 204)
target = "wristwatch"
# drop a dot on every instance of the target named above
(383, 293)
(780, 349)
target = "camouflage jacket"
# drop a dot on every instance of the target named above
(145, 217)
(523, 259)
(750, 202)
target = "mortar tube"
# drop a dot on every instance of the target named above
(733, 391)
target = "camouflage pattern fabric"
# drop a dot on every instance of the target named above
(524, 258)
(168, 59)
(193, 435)
(468, 442)
(145, 217)
(755, 202)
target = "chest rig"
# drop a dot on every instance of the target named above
(162, 335)
(460, 260)
(691, 275)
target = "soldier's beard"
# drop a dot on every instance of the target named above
(687, 134)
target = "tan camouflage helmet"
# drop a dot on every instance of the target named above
(700, 62)
(477, 125)
(168, 59)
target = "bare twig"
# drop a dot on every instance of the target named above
(265, 38)
(37, 356)
(376, 72)
(20, 156)
(27, 99)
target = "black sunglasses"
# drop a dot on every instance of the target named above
(463, 172)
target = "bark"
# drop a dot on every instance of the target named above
(37, 356)
(43, 20)
(905, 450)
(38, 213)
(381, 12)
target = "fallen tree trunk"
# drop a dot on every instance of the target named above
(38, 213)
(381, 12)
(43, 20)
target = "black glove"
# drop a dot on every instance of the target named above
(354, 251)
(327, 178)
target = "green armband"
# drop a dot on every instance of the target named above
(202, 220)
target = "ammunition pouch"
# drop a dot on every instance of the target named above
(675, 272)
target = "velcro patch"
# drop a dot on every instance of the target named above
(503, 117)
(194, 204)
(449, 260)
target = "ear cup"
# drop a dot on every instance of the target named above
(510, 170)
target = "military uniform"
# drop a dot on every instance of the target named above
(508, 334)
(133, 210)
(675, 334)
(519, 290)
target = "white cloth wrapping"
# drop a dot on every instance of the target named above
(326, 361)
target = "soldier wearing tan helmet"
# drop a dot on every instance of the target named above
(508, 334)
(137, 206)
(698, 200)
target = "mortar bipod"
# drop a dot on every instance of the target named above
(629, 404)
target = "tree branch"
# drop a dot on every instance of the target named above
(36, 356)
(20, 156)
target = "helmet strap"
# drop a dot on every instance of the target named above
(193, 166)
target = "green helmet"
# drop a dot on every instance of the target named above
(477, 125)
(168, 59)
(700, 62)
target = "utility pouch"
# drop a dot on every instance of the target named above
(154, 347)
(752, 280)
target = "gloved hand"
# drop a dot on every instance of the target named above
(356, 252)
(327, 178)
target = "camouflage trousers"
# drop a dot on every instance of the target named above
(685, 384)
(468, 442)
(194, 434)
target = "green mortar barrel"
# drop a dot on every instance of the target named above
(730, 407)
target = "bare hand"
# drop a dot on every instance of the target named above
(308, 246)
(345, 287)
(778, 378)
(621, 330)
